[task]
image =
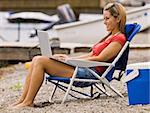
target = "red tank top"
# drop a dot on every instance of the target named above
(99, 47)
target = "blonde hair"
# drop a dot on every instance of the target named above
(118, 11)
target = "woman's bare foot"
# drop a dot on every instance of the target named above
(16, 103)
(21, 105)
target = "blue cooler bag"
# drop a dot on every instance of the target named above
(139, 87)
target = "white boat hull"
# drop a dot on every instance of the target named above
(92, 30)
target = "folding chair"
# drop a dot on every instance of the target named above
(119, 63)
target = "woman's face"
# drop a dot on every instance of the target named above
(110, 21)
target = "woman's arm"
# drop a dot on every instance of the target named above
(109, 52)
(83, 56)
(65, 57)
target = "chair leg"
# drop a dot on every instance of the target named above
(70, 85)
(101, 89)
(53, 92)
(106, 82)
(91, 91)
(116, 91)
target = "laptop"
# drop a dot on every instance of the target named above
(44, 43)
(45, 46)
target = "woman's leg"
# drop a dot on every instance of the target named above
(40, 66)
(26, 85)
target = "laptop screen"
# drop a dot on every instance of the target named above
(44, 43)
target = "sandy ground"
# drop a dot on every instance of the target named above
(11, 87)
(12, 79)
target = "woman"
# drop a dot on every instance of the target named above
(105, 50)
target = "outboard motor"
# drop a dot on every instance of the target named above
(65, 14)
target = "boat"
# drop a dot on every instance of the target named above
(133, 3)
(17, 26)
(90, 28)
(31, 17)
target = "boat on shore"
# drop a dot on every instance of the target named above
(88, 30)
(17, 25)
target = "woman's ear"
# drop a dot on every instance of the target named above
(118, 19)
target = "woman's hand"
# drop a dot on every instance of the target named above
(61, 57)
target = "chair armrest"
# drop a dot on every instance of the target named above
(86, 63)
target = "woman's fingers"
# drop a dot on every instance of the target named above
(60, 56)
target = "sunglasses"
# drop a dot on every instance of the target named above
(113, 8)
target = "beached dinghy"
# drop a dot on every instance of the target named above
(31, 17)
(90, 28)
(19, 24)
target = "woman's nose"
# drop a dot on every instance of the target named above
(104, 21)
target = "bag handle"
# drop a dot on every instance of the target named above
(132, 75)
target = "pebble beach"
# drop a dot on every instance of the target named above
(11, 83)
(12, 79)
